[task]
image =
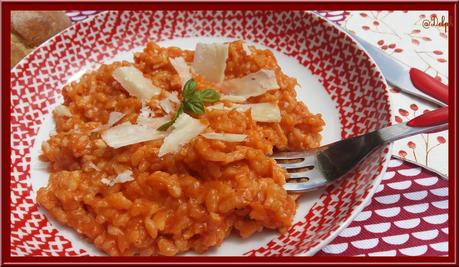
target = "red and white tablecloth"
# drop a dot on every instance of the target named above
(408, 216)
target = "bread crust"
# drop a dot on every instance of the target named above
(18, 49)
(35, 27)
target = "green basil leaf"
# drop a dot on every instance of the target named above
(192, 101)
(195, 106)
(179, 111)
(189, 89)
(168, 124)
(165, 126)
(209, 95)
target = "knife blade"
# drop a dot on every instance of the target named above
(401, 76)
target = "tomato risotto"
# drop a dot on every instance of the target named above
(171, 153)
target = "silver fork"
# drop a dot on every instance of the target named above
(327, 164)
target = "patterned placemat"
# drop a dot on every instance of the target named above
(407, 216)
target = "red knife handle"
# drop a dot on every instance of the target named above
(431, 118)
(429, 85)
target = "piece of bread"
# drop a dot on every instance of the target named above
(18, 49)
(29, 29)
(35, 27)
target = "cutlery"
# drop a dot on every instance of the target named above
(322, 166)
(409, 80)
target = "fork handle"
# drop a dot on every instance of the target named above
(431, 118)
(429, 122)
(429, 85)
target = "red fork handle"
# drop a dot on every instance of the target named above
(429, 85)
(431, 118)
(429, 122)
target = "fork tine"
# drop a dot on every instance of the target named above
(308, 160)
(315, 177)
(288, 155)
(297, 175)
(302, 187)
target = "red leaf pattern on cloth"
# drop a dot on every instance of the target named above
(403, 112)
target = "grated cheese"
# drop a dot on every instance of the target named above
(107, 182)
(62, 110)
(246, 49)
(145, 110)
(133, 81)
(124, 177)
(184, 130)
(93, 166)
(210, 61)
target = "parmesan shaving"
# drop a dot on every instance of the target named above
(99, 128)
(184, 130)
(62, 110)
(225, 137)
(127, 134)
(182, 69)
(153, 123)
(210, 61)
(218, 106)
(262, 112)
(233, 98)
(173, 97)
(253, 84)
(114, 117)
(167, 103)
(133, 81)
